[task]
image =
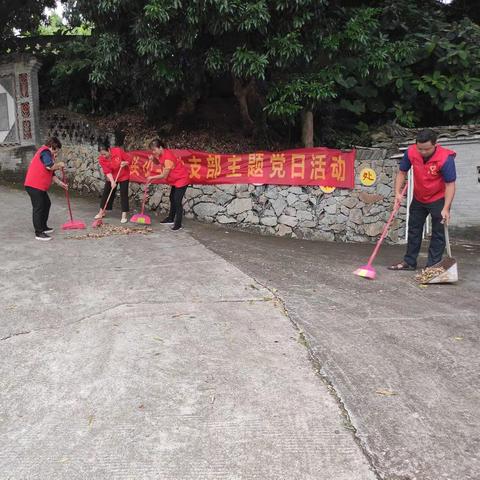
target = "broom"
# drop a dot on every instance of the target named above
(141, 217)
(98, 222)
(367, 271)
(71, 224)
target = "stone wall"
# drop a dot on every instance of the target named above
(300, 212)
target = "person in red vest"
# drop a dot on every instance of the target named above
(111, 159)
(39, 178)
(434, 176)
(167, 166)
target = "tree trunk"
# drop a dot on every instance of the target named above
(307, 128)
(187, 107)
(241, 92)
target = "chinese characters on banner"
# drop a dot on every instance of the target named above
(310, 166)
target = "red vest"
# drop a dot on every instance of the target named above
(38, 176)
(178, 176)
(428, 181)
(112, 164)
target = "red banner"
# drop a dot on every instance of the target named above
(309, 166)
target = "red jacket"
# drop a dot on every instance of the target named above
(178, 176)
(429, 184)
(38, 176)
(112, 164)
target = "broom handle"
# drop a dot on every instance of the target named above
(447, 240)
(64, 179)
(396, 208)
(145, 188)
(111, 190)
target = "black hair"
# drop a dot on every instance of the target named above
(427, 135)
(157, 143)
(103, 144)
(53, 142)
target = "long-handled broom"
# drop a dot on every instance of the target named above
(71, 224)
(141, 217)
(367, 271)
(98, 222)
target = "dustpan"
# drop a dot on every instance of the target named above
(141, 217)
(448, 264)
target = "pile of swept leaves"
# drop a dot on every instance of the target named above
(107, 230)
(428, 274)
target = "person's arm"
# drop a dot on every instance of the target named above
(404, 167)
(399, 182)
(56, 166)
(113, 184)
(449, 174)
(168, 166)
(449, 194)
(107, 170)
(59, 182)
(48, 161)
(164, 174)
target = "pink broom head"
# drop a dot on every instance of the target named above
(366, 271)
(139, 218)
(73, 225)
(97, 223)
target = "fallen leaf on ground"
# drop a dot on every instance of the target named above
(385, 392)
(90, 420)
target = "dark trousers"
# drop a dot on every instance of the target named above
(123, 195)
(176, 208)
(41, 208)
(418, 215)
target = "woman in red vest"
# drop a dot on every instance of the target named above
(172, 169)
(39, 178)
(114, 160)
(433, 191)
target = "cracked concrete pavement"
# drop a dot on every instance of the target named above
(151, 357)
(403, 360)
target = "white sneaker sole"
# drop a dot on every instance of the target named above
(43, 239)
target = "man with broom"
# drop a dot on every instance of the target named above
(433, 192)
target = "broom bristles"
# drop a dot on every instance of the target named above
(365, 272)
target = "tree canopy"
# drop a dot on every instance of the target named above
(329, 69)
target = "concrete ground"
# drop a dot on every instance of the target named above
(151, 357)
(403, 360)
(158, 357)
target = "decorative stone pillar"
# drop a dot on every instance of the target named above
(19, 112)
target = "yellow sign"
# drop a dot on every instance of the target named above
(327, 189)
(368, 177)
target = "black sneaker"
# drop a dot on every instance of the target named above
(42, 236)
(167, 221)
(177, 227)
(49, 230)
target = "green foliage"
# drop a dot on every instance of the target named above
(18, 18)
(351, 62)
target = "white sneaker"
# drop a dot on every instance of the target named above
(124, 220)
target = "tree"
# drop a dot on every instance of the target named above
(322, 66)
(20, 17)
